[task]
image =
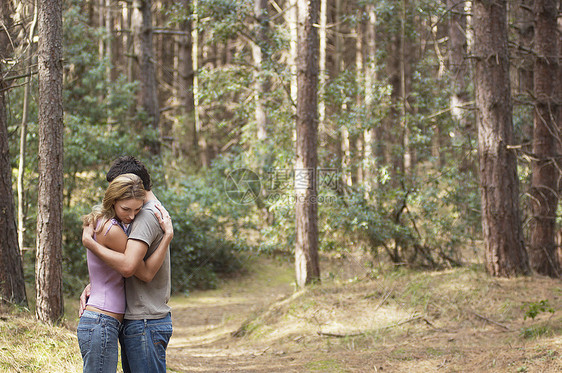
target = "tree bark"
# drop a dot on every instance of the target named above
(546, 141)
(408, 155)
(12, 285)
(48, 265)
(199, 140)
(323, 39)
(128, 42)
(292, 17)
(458, 67)
(144, 50)
(369, 135)
(559, 233)
(524, 66)
(457, 59)
(109, 43)
(306, 252)
(185, 90)
(23, 134)
(524, 26)
(501, 225)
(358, 140)
(259, 52)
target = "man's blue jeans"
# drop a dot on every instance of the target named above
(144, 343)
(97, 336)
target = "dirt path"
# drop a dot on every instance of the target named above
(204, 323)
(450, 321)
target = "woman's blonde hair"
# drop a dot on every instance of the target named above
(125, 186)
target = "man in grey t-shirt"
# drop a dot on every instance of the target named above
(147, 326)
(148, 300)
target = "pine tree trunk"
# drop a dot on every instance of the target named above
(457, 59)
(546, 141)
(323, 39)
(459, 69)
(185, 91)
(48, 265)
(199, 140)
(128, 42)
(23, 136)
(306, 252)
(524, 63)
(109, 50)
(369, 136)
(499, 186)
(559, 233)
(293, 26)
(144, 50)
(358, 140)
(260, 79)
(407, 161)
(524, 25)
(12, 285)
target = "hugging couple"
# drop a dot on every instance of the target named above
(128, 238)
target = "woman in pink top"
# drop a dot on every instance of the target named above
(98, 329)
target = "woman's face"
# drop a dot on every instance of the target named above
(127, 209)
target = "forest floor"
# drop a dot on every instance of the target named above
(359, 319)
(457, 320)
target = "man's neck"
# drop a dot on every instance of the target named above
(150, 196)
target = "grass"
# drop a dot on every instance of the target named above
(401, 320)
(459, 319)
(331, 365)
(29, 346)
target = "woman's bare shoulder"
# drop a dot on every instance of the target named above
(112, 236)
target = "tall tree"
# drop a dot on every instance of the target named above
(523, 65)
(199, 140)
(457, 61)
(23, 129)
(12, 286)
(260, 55)
(501, 225)
(369, 134)
(144, 51)
(185, 87)
(48, 264)
(128, 40)
(524, 26)
(407, 158)
(292, 20)
(306, 252)
(559, 234)
(344, 144)
(546, 141)
(323, 39)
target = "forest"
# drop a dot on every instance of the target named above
(395, 135)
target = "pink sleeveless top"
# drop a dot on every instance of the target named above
(107, 285)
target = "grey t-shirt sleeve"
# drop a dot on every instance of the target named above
(145, 227)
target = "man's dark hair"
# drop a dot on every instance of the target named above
(129, 165)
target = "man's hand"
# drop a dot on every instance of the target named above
(88, 235)
(165, 220)
(163, 212)
(84, 299)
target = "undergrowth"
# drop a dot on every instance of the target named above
(30, 346)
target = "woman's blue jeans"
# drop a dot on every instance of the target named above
(98, 337)
(144, 343)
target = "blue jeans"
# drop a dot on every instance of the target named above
(98, 336)
(144, 343)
